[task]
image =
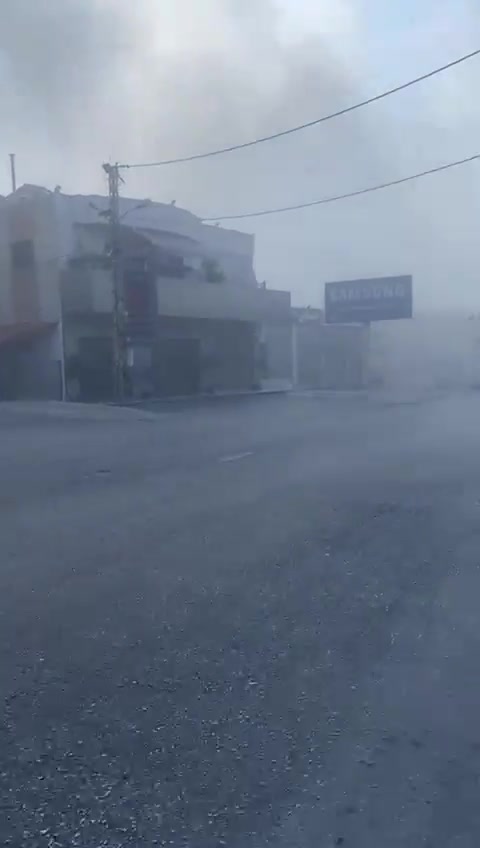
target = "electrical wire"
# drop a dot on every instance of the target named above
(337, 197)
(308, 124)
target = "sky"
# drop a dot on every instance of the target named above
(89, 81)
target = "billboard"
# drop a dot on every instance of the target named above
(362, 301)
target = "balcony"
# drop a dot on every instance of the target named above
(87, 290)
(193, 299)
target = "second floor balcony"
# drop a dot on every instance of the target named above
(87, 290)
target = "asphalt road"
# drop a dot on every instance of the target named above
(247, 624)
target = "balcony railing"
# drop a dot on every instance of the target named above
(90, 291)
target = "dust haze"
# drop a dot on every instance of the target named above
(86, 81)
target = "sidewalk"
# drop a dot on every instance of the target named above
(272, 388)
(69, 411)
(129, 410)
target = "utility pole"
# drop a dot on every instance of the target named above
(12, 172)
(118, 313)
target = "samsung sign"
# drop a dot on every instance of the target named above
(362, 301)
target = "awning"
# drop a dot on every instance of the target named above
(24, 331)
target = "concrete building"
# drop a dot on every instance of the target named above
(195, 315)
(30, 329)
(328, 356)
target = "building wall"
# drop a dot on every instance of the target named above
(31, 366)
(41, 369)
(32, 369)
(50, 220)
(83, 327)
(225, 355)
(6, 308)
(220, 315)
(176, 228)
(220, 300)
(276, 341)
(226, 350)
(91, 289)
(29, 257)
(234, 251)
(22, 262)
(88, 209)
(331, 357)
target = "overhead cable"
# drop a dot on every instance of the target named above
(308, 124)
(336, 197)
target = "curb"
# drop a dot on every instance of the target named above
(200, 398)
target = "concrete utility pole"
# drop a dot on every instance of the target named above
(118, 313)
(12, 172)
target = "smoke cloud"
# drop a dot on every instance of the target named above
(86, 81)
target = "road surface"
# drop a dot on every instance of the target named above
(248, 624)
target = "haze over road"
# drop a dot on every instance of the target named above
(250, 623)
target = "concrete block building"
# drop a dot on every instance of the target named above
(195, 315)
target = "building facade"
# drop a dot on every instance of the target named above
(30, 329)
(328, 356)
(194, 315)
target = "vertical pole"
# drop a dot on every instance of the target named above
(63, 375)
(61, 330)
(60, 270)
(294, 353)
(12, 172)
(112, 172)
(366, 355)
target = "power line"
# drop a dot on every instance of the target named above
(336, 197)
(309, 124)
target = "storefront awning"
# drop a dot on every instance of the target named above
(24, 331)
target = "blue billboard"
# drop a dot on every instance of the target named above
(374, 299)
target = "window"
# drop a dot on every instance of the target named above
(212, 271)
(22, 254)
